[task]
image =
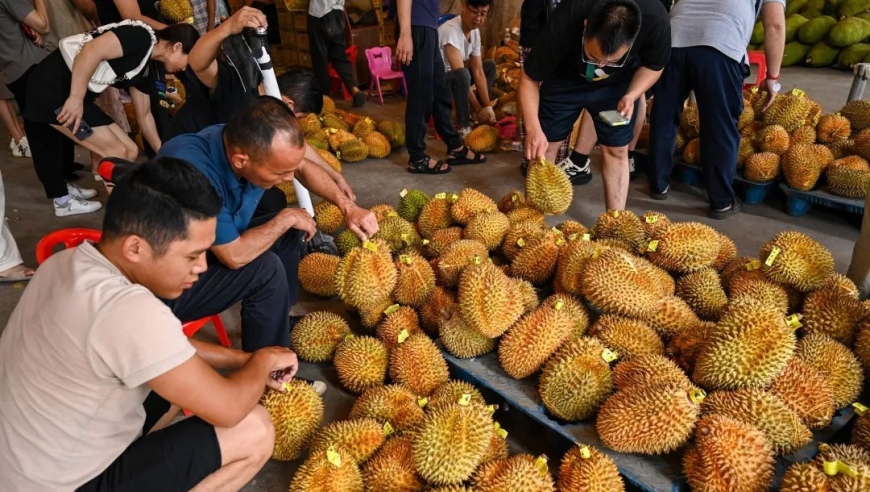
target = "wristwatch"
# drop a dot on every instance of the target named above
(776, 85)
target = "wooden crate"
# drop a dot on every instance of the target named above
(302, 41)
(292, 58)
(300, 21)
(305, 59)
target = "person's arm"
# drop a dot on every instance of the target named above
(88, 9)
(481, 99)
(211, 9)
(641, 82)
(530, 99)
(147, 126)
(312, 155)
(203, 56)
(218, 356)
(256, 241)
(37, 19)
(362, 222)
(773, 20)
(129, 9)
(405, 44)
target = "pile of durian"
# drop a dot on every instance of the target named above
(793, 140)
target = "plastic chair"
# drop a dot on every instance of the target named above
(72, 237)
(335, 79)
(381, 66)
(757, 58)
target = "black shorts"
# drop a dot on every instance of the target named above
(562, 101)
(175, 458)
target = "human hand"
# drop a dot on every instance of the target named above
(487, 115)
(625, 107)
(282, 366)
(345, 188)
(362, 222)
(38, 40)
(772, 87)
(536, 144)
(301, 220)
(70, 115)
(405, 48)
(246, 17)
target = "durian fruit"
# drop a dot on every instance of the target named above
(435, 215)
(576, 311)
(411, 203)
(391, 469)
(310, 124)
(463, 341)
(526, 213)
(451, 441)
(780, 424)
(847, 182)
(533, 339)
(690, 122)
(615, 282)
(346, 241)
(805, 134)
(773, 139)
(744, 151)
(862, 344)
(469, 203)
(649, 419)
(392, 403)
(528, 296)
(789, 110)
(654, 223)
(328, 217)
(836, 363)
(629, 338)
(680, 142)
(671, 316)
(862, 143)
(394, 131)
(748, 348)
(316, 336)
(571, 229)
(398, 322)
(621, 224)
(488, 301)
(518, 473)
(762, 167)
(360, 438)
(176, 10)
(702, 290)
(861, 429)
(418, 365)
(801, 167)
(548, 188)
(685, 247)
(450, 392)
(451, 488)
(415, 280)
(761, 290)
(536, 259)
(352, 151)
(441, 239)
(728, 456)
(330, 159)
(398, 233)
(363, 127)
(644, 370)
(843, 284)
(335, 122)
(747, 116)
(328, 472)
(586, 469)
(829, 312)
(436, 308)
(752, 129)
(317, 273)
(371, 316)
(498, 445)
(510, 202)
(569, 267)
(296, 414)
(366, 275)
(377, 144)
(858, 114)
(685, 346)
(795, 259)
(833, 127)
(382, 211)
(328, 105)
(805, 477)
(482, 139)
(361, 363)
(727, 253)
(692, 152)
(842, 148)
(289, 192)
(489, 228)
(520, 234)
(456, 258)
(806, 391)
(576, 379)
(856, 458)
(853, 162)
(823, 154)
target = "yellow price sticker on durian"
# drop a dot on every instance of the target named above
(392, 214)
(403, 192)
(797, 92)
(426, 242)
(465, 400)
(285, 386)
(653, 245)
(422, 402)
(349, 336)
(405, 238)
(515, 197)
(697, 396)
(388, 429)
(441, 196)
(405, 259)
(556, 231)
(573, 237)
(560, 242)
(541, 465)
(859, 409)
(609, 355)
(496, 425)
(338, 154)
(652, 219)
(615, 214)
(772, 256)
(392, 309)
(585, 452)
(476, 260)
(587, 237)
(333, 457)
(596, 253)
(403, 335)
(502, 433)
(370, 246)
(793, 321)
(834, 468)
(491, 409)
(559, 305)
(521, 242)
(454, 197)
(753, 265)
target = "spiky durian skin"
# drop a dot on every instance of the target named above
(685, 346)
(615, 283)
(805, 477)
(397, 232)
(536, 261)
(328, 217)
(346, 241)
(333, 121)
(296, 414)
(365, 277)
(435, 215)
(451, 488)
(689, 121)
(392, 403)
(862, 344)
(411, 204)
(575, 310)
(748, 348)
(440, 240)
(805, 390)
(856, 457)
(761, 167)
(394, 131)
(527, 294)
(829, 312)
(484, 138)
(317, 274)
(391, 469)
(463, 341)
(703, 291)
(671, 316)
(805, 134)
(627, 337)
(548, 188)
(437, 308)
(457, 257)
(513, 200)
(415, 280)
(576, 380)
(648, 369)
(450, 442)
(849, 183)
(621, 224)
(727, 253)
(359, 437)
(692, 152)
(801, 167)
(450, 392)
(744, 151)
(802, 262)
(470, 203)
(497, 449)
(783, 427)
(686, 247)
(569, 267)
(856, 111)
(363, 127)
(861, 432)
(338, 137)
(728, 456)
(488, 301)
(788, 110)
(837, 364)
(571, 227)
(517, 473)
(760, 290)
(370, 317)
(526, 213)
(533, 339)
(328, 105)
(317, 335)
(488, 228)
(394, 323)
(317, 474)
(773, 139)
(521, 233)
(361, 363)
(651, 419)
(330, 159)
(418, 365)
(597, 473)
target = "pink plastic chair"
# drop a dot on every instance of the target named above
(381, 67)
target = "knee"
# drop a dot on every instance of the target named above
(259, 433)
(615, 152)
(489, 67)
(463, 75)
(267, 266)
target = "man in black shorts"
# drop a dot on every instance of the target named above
(71, 402)
(600, 55)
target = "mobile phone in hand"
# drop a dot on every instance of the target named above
(613, 118)
(85, 129)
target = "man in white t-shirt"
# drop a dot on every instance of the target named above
(326, 25)
(460, 46)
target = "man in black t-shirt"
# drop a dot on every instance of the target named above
(600, 55)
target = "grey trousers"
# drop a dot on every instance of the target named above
(859, 269)
(460, 82)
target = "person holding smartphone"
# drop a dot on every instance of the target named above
(601, 55)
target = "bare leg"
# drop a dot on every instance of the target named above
(638, 122)
(587, 138)
(244, 450)
(615, 173)
(7, 116)
(552, 150)
(105, 142)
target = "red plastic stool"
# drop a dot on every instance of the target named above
(336, 83)
(757, 58)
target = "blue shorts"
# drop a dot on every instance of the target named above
(562, 101)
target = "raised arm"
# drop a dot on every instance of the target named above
(129, 9)
(203, 56)
(37, 19)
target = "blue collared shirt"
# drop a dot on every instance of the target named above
(205, 151)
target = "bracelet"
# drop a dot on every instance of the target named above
(773, 78)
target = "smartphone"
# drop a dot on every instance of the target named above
(85, 129)
(613, 118)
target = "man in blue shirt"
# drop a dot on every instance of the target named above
(255, 259)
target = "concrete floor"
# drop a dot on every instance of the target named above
(377, 181)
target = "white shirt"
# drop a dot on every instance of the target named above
(319, 8)
(451, 33)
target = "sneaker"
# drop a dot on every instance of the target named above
(631, 168)
(578, 175)
(728, 212)
(659, 196)
(76, 206)
(12, 144)
(79, 192)
(463, 132)
(21, 149)
(359, 99)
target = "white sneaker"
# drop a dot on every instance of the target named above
(20, 149)
(76, 206)
(12, 144)
(578, 175)
(319, 387)
(631, 165)
(79, 192)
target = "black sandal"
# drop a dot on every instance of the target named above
(422, 167)
(459, 157)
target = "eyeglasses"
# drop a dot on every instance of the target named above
(592, 61)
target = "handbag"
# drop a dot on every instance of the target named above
(104, 75)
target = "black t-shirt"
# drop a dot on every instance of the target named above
(135, 44)
(558, 50)
(109, 14)
(533, 16)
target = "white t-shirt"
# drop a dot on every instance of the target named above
(319, 8)
(451, 33)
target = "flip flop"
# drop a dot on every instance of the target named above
(17, 273)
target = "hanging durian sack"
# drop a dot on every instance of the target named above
(104, 76)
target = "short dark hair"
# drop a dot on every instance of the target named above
(157, 201)
(182, 33)
(302, 87)
(478, 3)
(253, 126)
(614, 23)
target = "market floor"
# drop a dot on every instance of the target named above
(30, 217)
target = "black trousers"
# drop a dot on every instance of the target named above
(428, 95)
(326, 40)
(267, 287)
(460, 82)
(718, 84)
(53, 153)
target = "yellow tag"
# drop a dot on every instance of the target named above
(587, 237)
(392, 309)
(833, 468)
(609, 355)
(441, 196)
(333, 457)
(425, 242)
(464, 400)
(502, 433)
(422, 402)
(405, 259)
(697, 396)
(541, 465)
(557, 231)
(370, 246)
(476, 260)
(349, 336)
(521, 242)
(596, 253)
(403, 335)
(773, 254)
(454, 197)
(753, 265)
(515, 197)
(286, 387)
(405, 238)
(754, 90)
(388, 429)
(559, 305)
(573, 237)
(491, 409)
(338, 154)
(403, 192)
(496, 425)
(652, 219)
(859, 409)
(797, 92)
(392, 214)
(585, 452)
(653, 245)
(615, 214)
(793, 321)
